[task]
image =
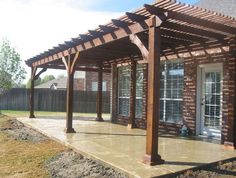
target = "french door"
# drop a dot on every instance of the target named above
(211, 100)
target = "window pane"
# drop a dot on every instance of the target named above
(162, 111)
(172, 90)
(139, 91)
(139, 108)
(124, 106)
(124, 89)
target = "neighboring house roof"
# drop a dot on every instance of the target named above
(226, 7)
(59, 83)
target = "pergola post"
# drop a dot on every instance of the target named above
(131, 122)
(70, 67)
(31, 101)
(153, 97)
(69, 103)
(114, 90)
(99, 93)
(33, 78)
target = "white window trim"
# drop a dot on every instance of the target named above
(164, 99)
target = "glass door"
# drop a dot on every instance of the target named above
(211, 102)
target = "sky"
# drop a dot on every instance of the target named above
(33, 26)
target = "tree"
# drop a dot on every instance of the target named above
(36, 83)
(40, 81)
(11, 71)
(48, 78)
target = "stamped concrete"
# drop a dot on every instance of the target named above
(124, 148)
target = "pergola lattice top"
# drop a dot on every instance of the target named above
(184, 27)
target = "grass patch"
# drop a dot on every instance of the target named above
(24, 158)
(12, 113)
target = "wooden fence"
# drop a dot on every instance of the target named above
(52, 100)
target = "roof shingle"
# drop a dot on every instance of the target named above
(226, 7)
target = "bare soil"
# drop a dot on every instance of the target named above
(65, 164)
(226, 170)
(73, 165)
(19, 132)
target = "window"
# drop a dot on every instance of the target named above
(95, 86)
(171, 99)
(124, 90)
(139, 91)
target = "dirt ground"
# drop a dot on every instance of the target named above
(71, 164)
(62, 163)
(226, 170)
(19, 132)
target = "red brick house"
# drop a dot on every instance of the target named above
(91, 81)
(194, 92)
(171, 65)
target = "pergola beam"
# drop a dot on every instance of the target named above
(136, 17)
(107, 29)
(95, 33)
(107, 38)
(85, 69)
(137, 41)
(119, 23)
(77, 40)
(85, 37)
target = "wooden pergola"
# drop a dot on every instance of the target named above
(144, 36)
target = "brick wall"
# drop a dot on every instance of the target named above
(190, 91)
(93, 77)
(190, 95)
(140, 122)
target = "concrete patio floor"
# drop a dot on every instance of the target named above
(123, 148)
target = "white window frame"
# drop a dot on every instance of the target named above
(94, 86)
(164, 99)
